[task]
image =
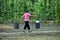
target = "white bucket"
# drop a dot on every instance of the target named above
(37, 21)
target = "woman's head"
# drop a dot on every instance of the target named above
(26, 11)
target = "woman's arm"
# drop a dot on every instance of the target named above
(34, 15)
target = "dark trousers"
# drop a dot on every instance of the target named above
(26, 25)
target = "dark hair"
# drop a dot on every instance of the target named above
(26, 11)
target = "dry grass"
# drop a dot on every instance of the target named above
(3, 26)
(27, 37)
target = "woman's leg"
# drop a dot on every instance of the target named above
(27, 25)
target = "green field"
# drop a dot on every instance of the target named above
(12, 10)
